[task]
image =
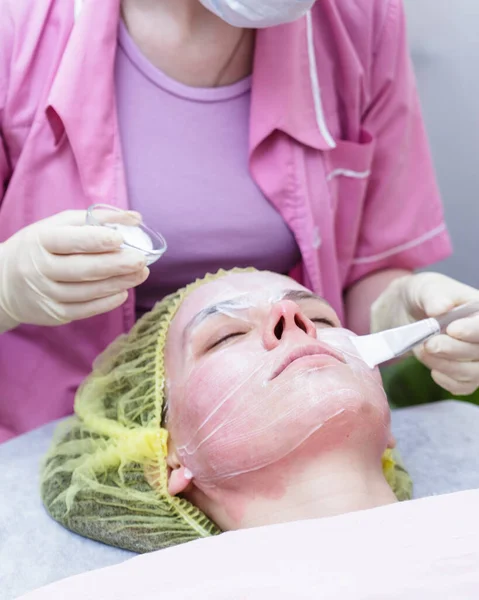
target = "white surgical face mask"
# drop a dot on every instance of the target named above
(258, 13)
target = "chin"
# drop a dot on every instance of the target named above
(361, 426)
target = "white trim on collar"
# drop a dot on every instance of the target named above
(78, 8)
(316, 90)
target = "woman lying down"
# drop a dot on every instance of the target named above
(237, 402)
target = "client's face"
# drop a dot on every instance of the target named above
(257, 367)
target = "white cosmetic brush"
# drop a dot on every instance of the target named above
(378, 348)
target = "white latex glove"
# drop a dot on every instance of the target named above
(60, 270)
(452, 357)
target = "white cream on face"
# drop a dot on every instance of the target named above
(232, 411)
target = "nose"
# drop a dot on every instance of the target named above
(285, 318)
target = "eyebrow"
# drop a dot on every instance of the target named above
(214, 309)
(296, 295)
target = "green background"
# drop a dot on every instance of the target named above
(409, 382)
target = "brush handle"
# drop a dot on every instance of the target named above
(410, 336)
(460, 312)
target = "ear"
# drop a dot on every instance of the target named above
(179, 477)
(391, 441)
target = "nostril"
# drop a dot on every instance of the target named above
(278, 330)
(299, 323)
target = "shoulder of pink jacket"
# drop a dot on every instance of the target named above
(62, 72)
(312, 78)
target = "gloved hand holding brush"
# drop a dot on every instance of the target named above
(453, 357)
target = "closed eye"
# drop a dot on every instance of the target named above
(323, 321)
(225, 339)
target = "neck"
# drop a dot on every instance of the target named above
(339, 483)
(188, 42)
(339, 486)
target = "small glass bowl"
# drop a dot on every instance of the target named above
(104, 215)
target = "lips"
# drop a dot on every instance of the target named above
(317, 350)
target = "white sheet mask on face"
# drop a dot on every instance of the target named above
(256, 14)
(245, 411)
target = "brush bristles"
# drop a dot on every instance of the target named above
(373, 349)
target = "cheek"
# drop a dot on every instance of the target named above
(209, 392)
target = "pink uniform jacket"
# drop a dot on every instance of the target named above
(337, 144)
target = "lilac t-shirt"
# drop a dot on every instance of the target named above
(186, 158)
